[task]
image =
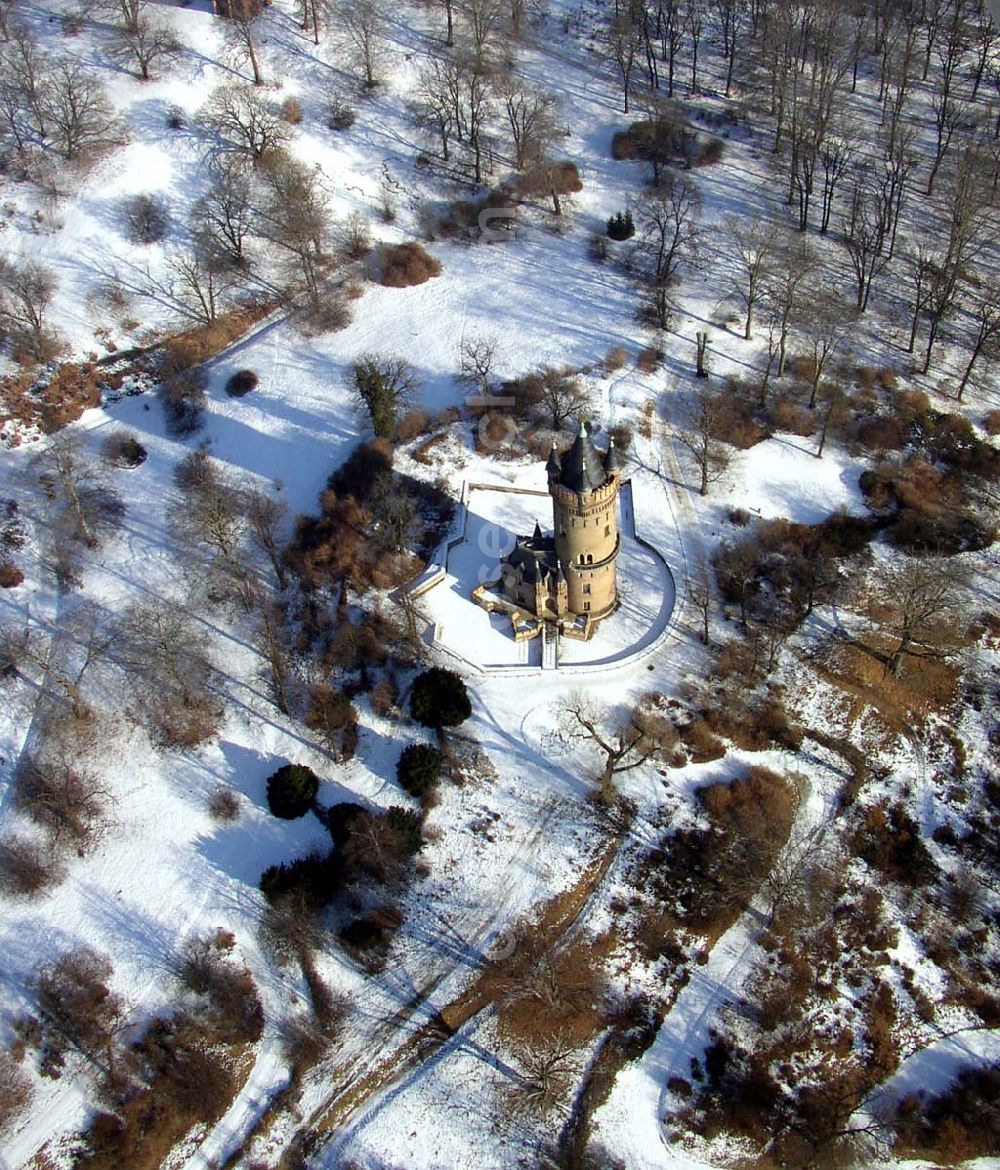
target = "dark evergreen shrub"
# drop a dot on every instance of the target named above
(419, 768)
(123, 449)
(407, 827)
(621, 225)
(342, 819)
(363, 935)
(439, 699)
(291, 791)
(316, 878)
(242, 382)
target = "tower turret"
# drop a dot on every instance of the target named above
(585, 517)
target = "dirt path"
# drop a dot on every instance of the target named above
(560, 915)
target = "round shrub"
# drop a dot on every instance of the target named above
(147, 218)
(123, 449)
(242, 382)
(343, 818)
(10, 575)
(404, 265)
(291, 791)
(419, 768)
(439, 698)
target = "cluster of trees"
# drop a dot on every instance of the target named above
(800, 72)
(474, 106)
(52, 104)
(178, 1070)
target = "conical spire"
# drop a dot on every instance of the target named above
(582, 466)
(553, 466)
(537, 535)
(612, 460)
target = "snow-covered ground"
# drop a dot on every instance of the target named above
(502, 845)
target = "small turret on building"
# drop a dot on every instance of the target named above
(571, 576)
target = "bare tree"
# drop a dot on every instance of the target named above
(243, 17)
(563, 395)
(548, 1068)
(640, 735)
(448, 8)
(62, 660)
(834, 410)
(246, 120)
(83, 503)
(63, 797)
(363, 23)
(865, 236)
(210, 520)
(530, 115)
(272, 642)
(436, 106)
(26, 291)
(699, 591)
(786, 286)
(24, 86)
(698, 428)
(694, 23)
(753, 245)
(918, 604)
(146, 43)
(985, 311)
(6, 9)
(296, 218)
(129, 12)
(266, 517)
(164, 653)
(474, 82)
(80, 120)
(667, 219)
(313, 13)
(200, 281)
(222, 219)
(827, 324)
(477, 353)
(623, 45)
(483, 21)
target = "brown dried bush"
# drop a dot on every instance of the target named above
(412, 424)
(991, 422)
(235, 1014)
(792, 417)
(27, 867)
(291, 111)
(15, 1091)
(10, 575)
(615, 358)
(405, 265)
(224, 805)
(62, 797)
(702, 743)
(648, 360)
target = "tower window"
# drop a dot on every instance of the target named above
(586, 605)
(586, 588)
(607, 529)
